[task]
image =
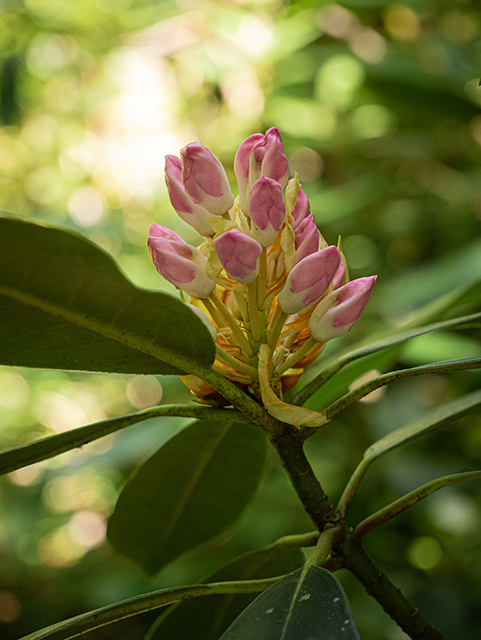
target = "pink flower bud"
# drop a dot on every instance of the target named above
(238, 254)
(260, 155)
(266, 210)
(205, 179)
(271, 159)
(307, 238)
(301, 210)
(342, 275)
(335, 315)
(309, 280)
(178, 262)
(186, 209)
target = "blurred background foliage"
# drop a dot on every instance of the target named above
(380, 111)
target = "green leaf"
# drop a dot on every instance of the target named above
(214, 614)
(400, 505)
(431, 420)
(64, 304)
(51, 446)
(339, 362)
(303, 605)
(77, 626)
(462, 299)
(461, 364)
(196, 486)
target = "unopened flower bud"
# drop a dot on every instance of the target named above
(239, 255)
(342, 274)
(335, 315)
(306, 238)
(266, 210)
(301, 210)
(205, 179)
(260, 155)
(178, 262)
(309, 280)
(195, 215)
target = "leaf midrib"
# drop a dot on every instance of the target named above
(100, 327)
(190, 488)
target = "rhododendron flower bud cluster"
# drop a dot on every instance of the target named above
(263, 275)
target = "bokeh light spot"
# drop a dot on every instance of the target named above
(144, 392)
(27, 476)
(375, 395)
(255, 33)
(87, 529)
(338, 81)
(369, 45)
(402, 22)
(337, 21)
(372, 121)
(14, 390)
(86, 206)
(425, 553)
(9, 606)
(307, 163)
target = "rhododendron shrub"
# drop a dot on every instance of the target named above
(260, 295)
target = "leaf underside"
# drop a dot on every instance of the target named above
(214, 614)
(192, 489)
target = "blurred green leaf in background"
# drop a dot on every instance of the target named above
(380, 111)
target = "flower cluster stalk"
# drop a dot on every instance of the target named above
(272, 292)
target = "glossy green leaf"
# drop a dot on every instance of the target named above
(303, 605)
(431, 420)
(196, 486)
(213, 615)
(64, 304)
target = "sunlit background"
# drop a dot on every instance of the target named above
(380, 112)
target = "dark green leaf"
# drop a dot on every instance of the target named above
(304, 605)
(79, 625)
(188, 492)
(214, 614)
(64, 304)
